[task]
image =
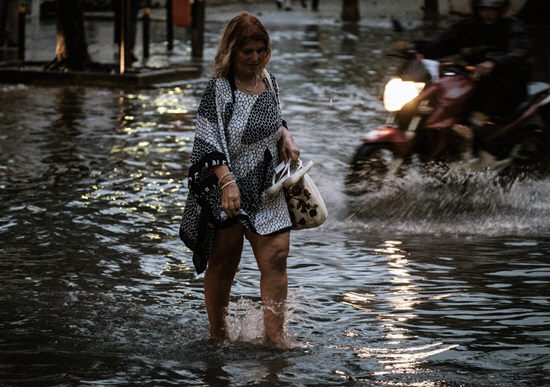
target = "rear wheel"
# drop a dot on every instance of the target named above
(369, 168)
(531, 159)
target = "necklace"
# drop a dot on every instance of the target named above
(248, 90)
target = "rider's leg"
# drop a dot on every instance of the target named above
(466, 141)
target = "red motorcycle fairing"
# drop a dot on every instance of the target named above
(451, 96)
(389, 135)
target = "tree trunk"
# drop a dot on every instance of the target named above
(197, 28)
(431, 10)
(350, 10)
(71, 52)
(536, 15)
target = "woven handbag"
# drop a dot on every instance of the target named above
(305, 204)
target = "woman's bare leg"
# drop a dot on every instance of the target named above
(271, 253)
(222, 265)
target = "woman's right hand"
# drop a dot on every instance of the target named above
(231, 200)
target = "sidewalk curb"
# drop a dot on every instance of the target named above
(32, 73)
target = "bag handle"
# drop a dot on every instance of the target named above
(285, 169)
(268, 77)
(280, 171)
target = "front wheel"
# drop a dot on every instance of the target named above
(371, 166)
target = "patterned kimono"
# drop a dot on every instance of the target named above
(240, 131)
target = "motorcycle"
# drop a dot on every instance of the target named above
(425, 102)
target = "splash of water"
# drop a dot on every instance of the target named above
(454, 201)
(245, 319)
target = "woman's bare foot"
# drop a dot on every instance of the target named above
(284, 344)
(218, 338)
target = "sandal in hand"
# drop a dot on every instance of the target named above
(286, 176)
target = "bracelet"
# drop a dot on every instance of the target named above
(226, 184)
(224, 175)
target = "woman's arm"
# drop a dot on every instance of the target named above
(288, 149)
(231, 195)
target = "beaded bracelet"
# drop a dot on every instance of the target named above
(221, 178)
(226, 184)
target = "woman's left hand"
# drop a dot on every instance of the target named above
(288, 150)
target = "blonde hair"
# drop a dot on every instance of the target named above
(237, 32)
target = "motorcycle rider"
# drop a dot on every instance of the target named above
(497, 46)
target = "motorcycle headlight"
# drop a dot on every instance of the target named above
(398, 93)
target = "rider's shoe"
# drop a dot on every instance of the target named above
(466, 138)
(478, 119)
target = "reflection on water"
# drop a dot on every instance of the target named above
(423, 284)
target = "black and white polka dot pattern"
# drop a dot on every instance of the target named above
(241, 131)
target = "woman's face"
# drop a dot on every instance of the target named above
(249, 57)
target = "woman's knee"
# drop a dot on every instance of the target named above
(225, 262)
(226, 252)
(275, 258)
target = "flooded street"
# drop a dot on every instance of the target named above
(425, 284)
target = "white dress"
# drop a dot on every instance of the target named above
(241, 131)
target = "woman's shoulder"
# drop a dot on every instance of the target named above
(218, 86)
(270, 74)
(273, 79)
(217, 83)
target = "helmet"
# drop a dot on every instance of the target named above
(500, 4)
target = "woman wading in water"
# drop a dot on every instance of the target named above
(240, 138)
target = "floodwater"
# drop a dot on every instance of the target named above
(424, 284)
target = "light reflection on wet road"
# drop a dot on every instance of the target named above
(423, 285)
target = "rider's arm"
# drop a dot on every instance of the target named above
(445, 43)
